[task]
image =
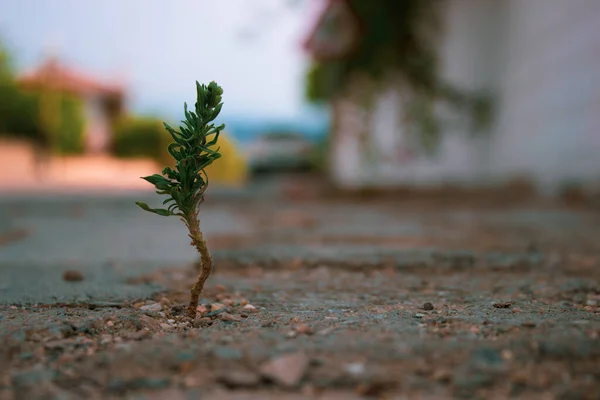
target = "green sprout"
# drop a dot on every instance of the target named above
(185, 185)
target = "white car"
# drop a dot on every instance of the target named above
(273, 152)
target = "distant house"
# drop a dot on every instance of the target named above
(539, 58)
(103, 101)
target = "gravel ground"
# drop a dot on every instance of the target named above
(309, 299)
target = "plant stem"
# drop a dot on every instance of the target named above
(205, 263)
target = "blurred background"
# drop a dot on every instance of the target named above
(363, 95)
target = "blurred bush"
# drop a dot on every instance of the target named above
(68, 138)
(232, 167)
(21, 114)
(140, 137)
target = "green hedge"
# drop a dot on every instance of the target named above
(20, 117)
(69, 139)
(20, 114)
(140, 137)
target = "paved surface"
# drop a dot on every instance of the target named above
(107, 239)
(378, 299)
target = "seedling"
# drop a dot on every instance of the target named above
(185, 185)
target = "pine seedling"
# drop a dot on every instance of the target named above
(193, 150)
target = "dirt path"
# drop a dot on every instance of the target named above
(339, 301)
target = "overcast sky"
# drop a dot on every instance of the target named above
(160, 47)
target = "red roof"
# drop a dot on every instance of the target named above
(53, 75)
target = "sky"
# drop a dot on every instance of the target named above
(159, 48)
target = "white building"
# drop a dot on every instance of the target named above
(541, 61)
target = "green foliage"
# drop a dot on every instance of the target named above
(398, 36)
(399, 39)
(20, 114)
(139, 137)
(69, 137)
(192, 151)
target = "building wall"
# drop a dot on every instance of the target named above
(470, 57)
(549, 125)
(540, 59)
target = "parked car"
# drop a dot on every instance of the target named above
(278, 152)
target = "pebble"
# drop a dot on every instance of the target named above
(418, 315)
(505, 304)
(110, 324)
(304, 328)
(106, 339)
(286, 370)
(164, 302)
(227, 302)
(236, 379)
(166, 327)
(72, 276)
(357, 368)
(229, 317)
(250, 307)
(217, 306)
(201, 309)
(151, 307)
(428, 307)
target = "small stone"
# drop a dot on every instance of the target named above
(507, 355)
(166, 327)
(217, 306)
(428, 307)
(291, 334)
(249, 307)
(106, 339)
(155, 307)
(227, 302)
(325, 331)
(237, 379)
(164, 302)
(506, 304)
(304, 329)
(171, 321)
(110, 324)
(528, 324)
(201, 309)
(243, 302)
(442, 375)
(72, 276)
(229, 317)
(357, 368)
(418, 315)
(287, 370)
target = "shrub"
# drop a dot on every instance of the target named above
(140, 137)
(232, 169)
